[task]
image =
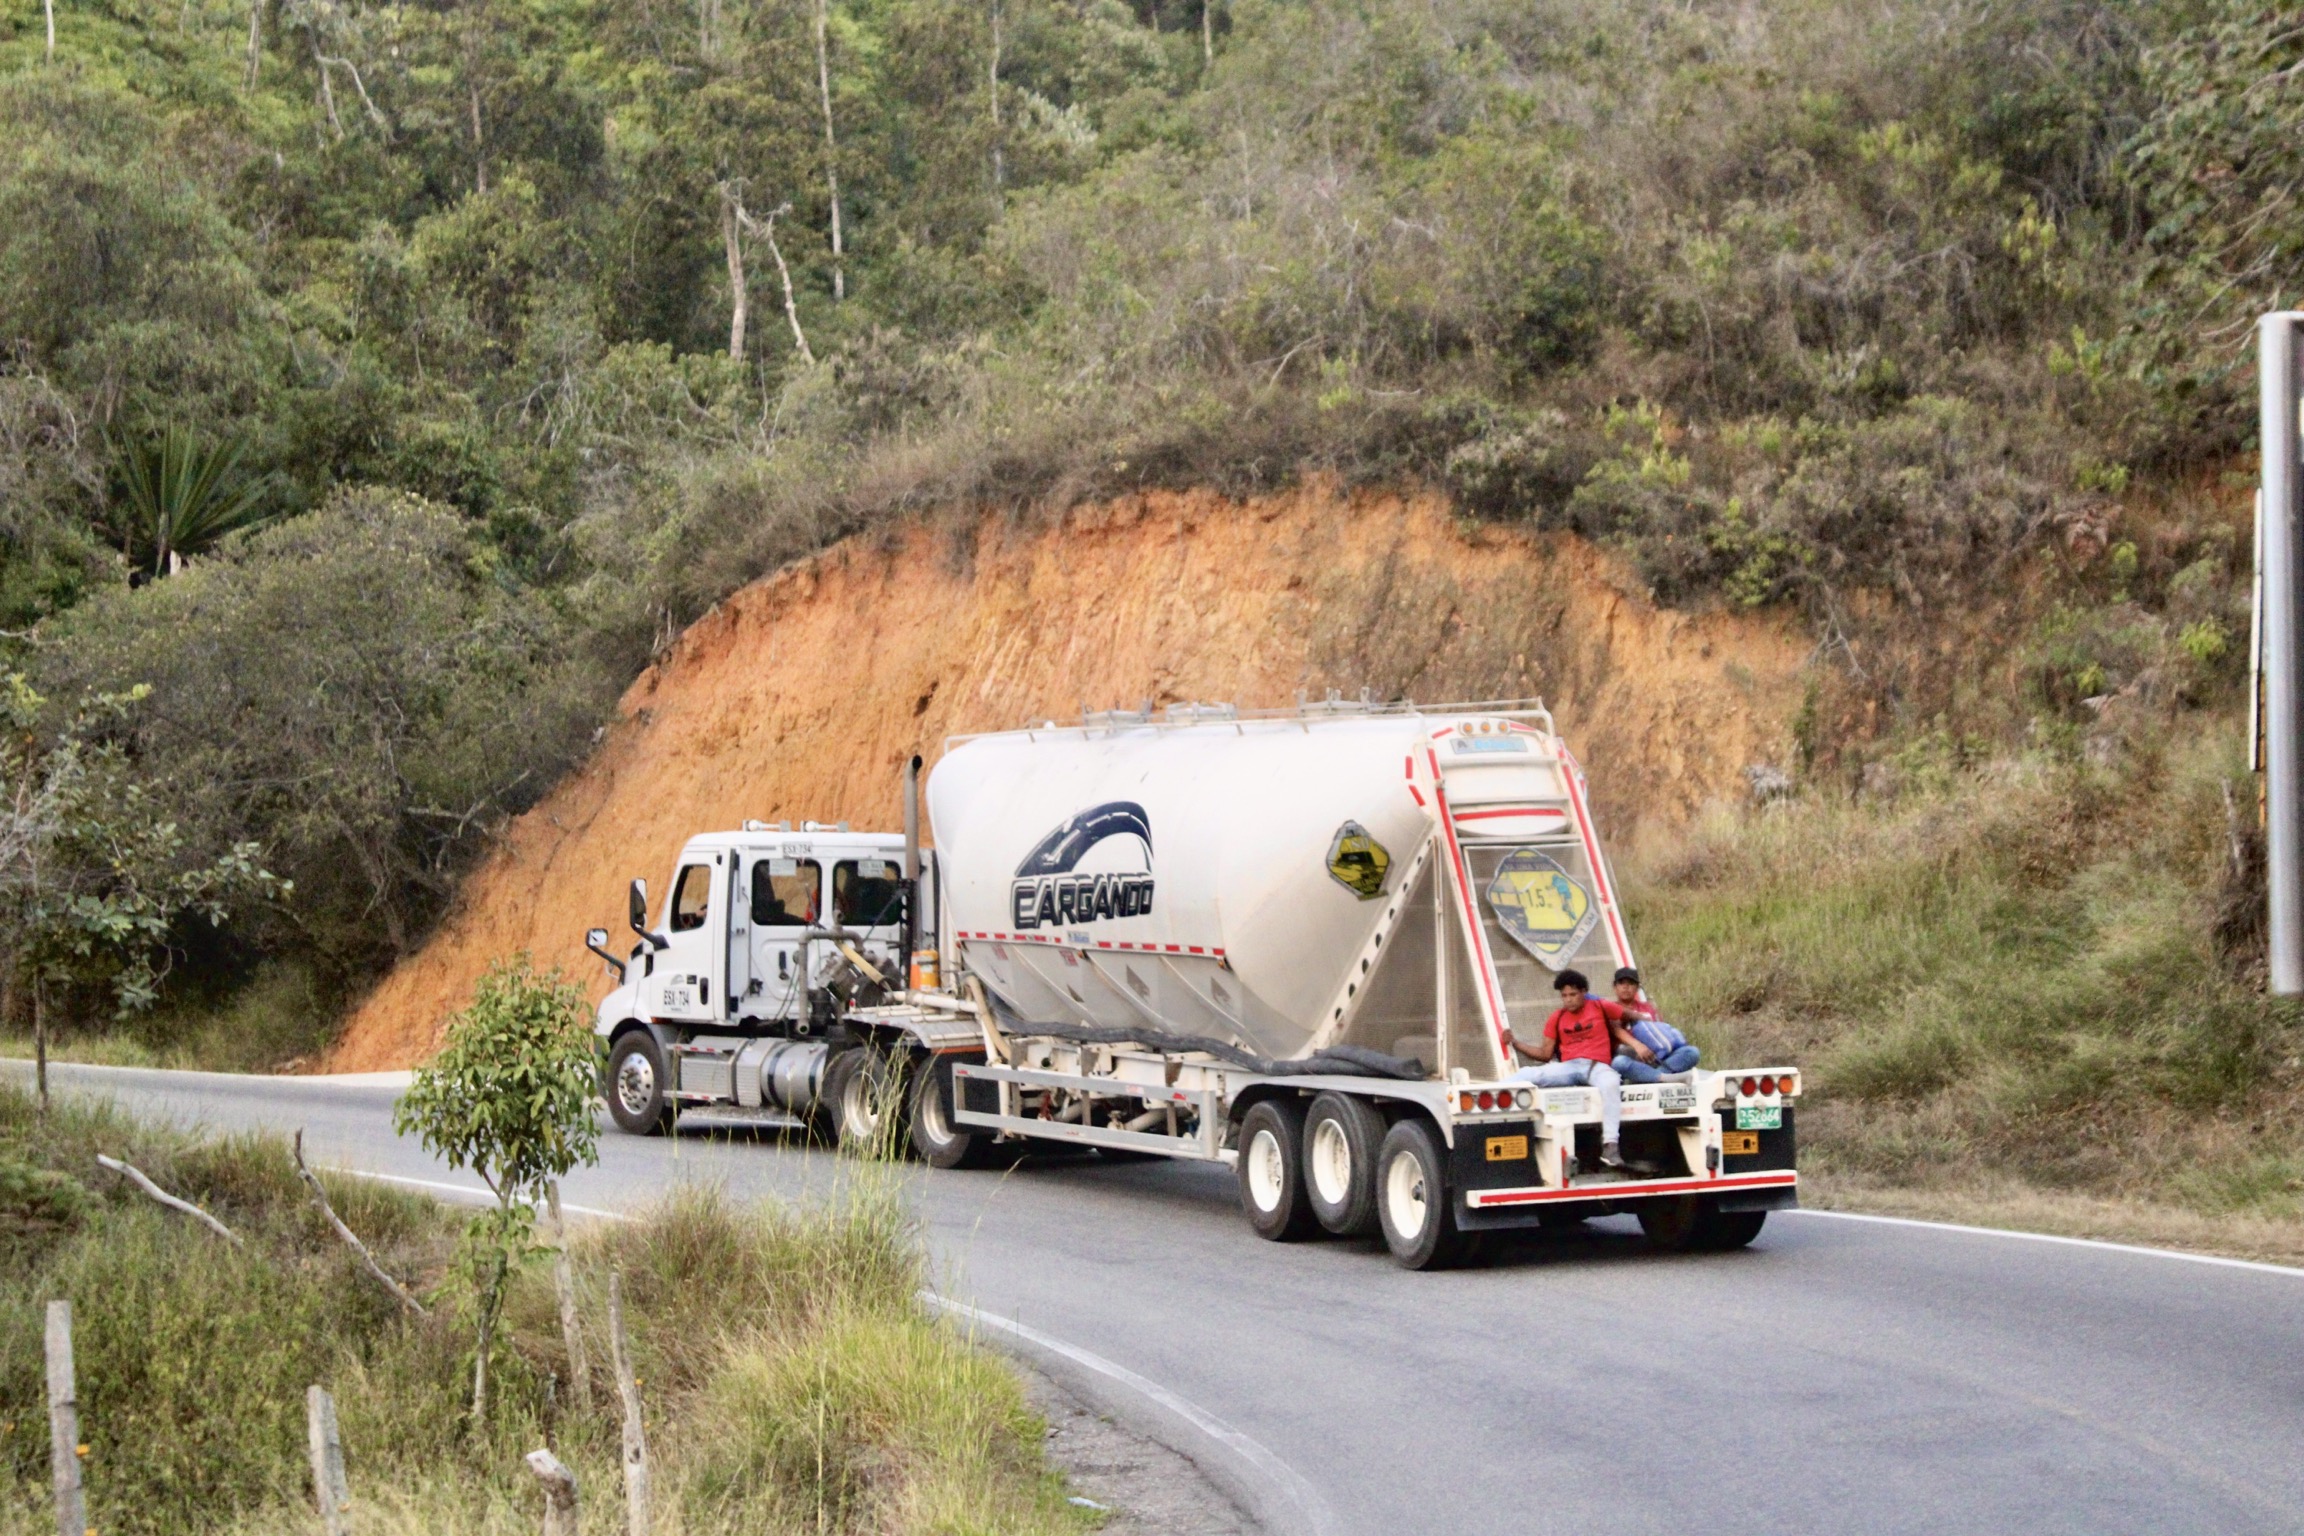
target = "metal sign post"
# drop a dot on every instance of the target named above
(2277, 578)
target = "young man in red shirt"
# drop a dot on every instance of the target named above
(1577, 1050)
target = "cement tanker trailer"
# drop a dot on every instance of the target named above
(1298, 943)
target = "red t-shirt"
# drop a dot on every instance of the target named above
(1583, 1034)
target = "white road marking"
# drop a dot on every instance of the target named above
(2179, 1254)
(1315, 1512)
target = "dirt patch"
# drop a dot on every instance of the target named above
(802, 695)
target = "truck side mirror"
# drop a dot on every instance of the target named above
(638, 906)
(595, 938)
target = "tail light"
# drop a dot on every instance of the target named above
(1767, 1085)
(1748, 1087)
(1524, 1099)
(1487, 1099)
(1786, 1085)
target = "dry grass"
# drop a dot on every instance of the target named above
(2009, 986)
(792, 1380)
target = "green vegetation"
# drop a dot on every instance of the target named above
(2030, 969)
(517, 334)
(802, 1326)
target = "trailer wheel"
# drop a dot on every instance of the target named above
(636, 1084)
(936, 1136)
(1724, 1230)
(1272, 1173)
(1412, 1203)
(1341, 1135)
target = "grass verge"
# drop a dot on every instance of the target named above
(792, 1381)
(2024, 990)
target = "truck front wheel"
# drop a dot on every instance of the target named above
(636, 1084)
(1341, 1135)
(1412, 1199)
(936, 1136)
(1272, 1172)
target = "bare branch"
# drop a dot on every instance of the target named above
(136, 1176)
(351, 1239)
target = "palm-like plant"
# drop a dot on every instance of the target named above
(181, 498)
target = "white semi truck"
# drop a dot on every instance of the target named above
(1295, 942)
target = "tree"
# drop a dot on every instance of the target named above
(181, 498)
(93, 875)
(511, 1098)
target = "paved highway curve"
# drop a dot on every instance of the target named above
(1840, 1376)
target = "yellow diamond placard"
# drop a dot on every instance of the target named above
(1545, 909)
(1358, 862)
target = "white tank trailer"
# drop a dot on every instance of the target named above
(1296, 942)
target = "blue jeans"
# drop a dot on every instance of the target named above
(1582, 1073)
(1633, 1070)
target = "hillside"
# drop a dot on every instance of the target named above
(802, 695)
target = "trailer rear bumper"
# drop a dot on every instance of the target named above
(1774, 1190)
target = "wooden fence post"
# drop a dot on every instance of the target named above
(64, 1448)
(635, 1433)
(328, 1485)
(571, 1322)
(559, 1493)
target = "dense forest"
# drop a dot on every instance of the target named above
(382, 383)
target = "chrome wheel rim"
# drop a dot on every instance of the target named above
(1266, 1176)
(1404, 1204)
(1331, 1162)
(859, 1108)
(636, 1084)
(933, 1119)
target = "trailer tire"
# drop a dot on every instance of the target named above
(1726, 1230)
(936, 1136)
(1272, 1172)
(1341, 1135)
(1412, 1199)
(1691, 1225)
(636, 1100)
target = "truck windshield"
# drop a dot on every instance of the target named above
(786, 893)
(867, 893)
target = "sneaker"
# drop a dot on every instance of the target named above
(1610, 1157)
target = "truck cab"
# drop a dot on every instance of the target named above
(755, 934)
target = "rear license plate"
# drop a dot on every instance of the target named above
(1507, 1149)
(1760, 1117)
(1739, 1143)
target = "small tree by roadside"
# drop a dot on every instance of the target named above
(510, 1096)
(93, 873)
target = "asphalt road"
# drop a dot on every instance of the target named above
(1839, 1376)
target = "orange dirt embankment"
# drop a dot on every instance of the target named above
(801, 696)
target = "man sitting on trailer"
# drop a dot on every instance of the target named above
(1656, 1048)
(1576, 1051)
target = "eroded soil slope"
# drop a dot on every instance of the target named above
(802, 695)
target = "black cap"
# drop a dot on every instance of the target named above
(1626, 973)
(1571, 979)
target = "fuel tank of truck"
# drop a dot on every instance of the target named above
(1282, 883)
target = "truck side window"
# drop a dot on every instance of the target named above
(867, 893)
(785, 893)
(691, 897)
